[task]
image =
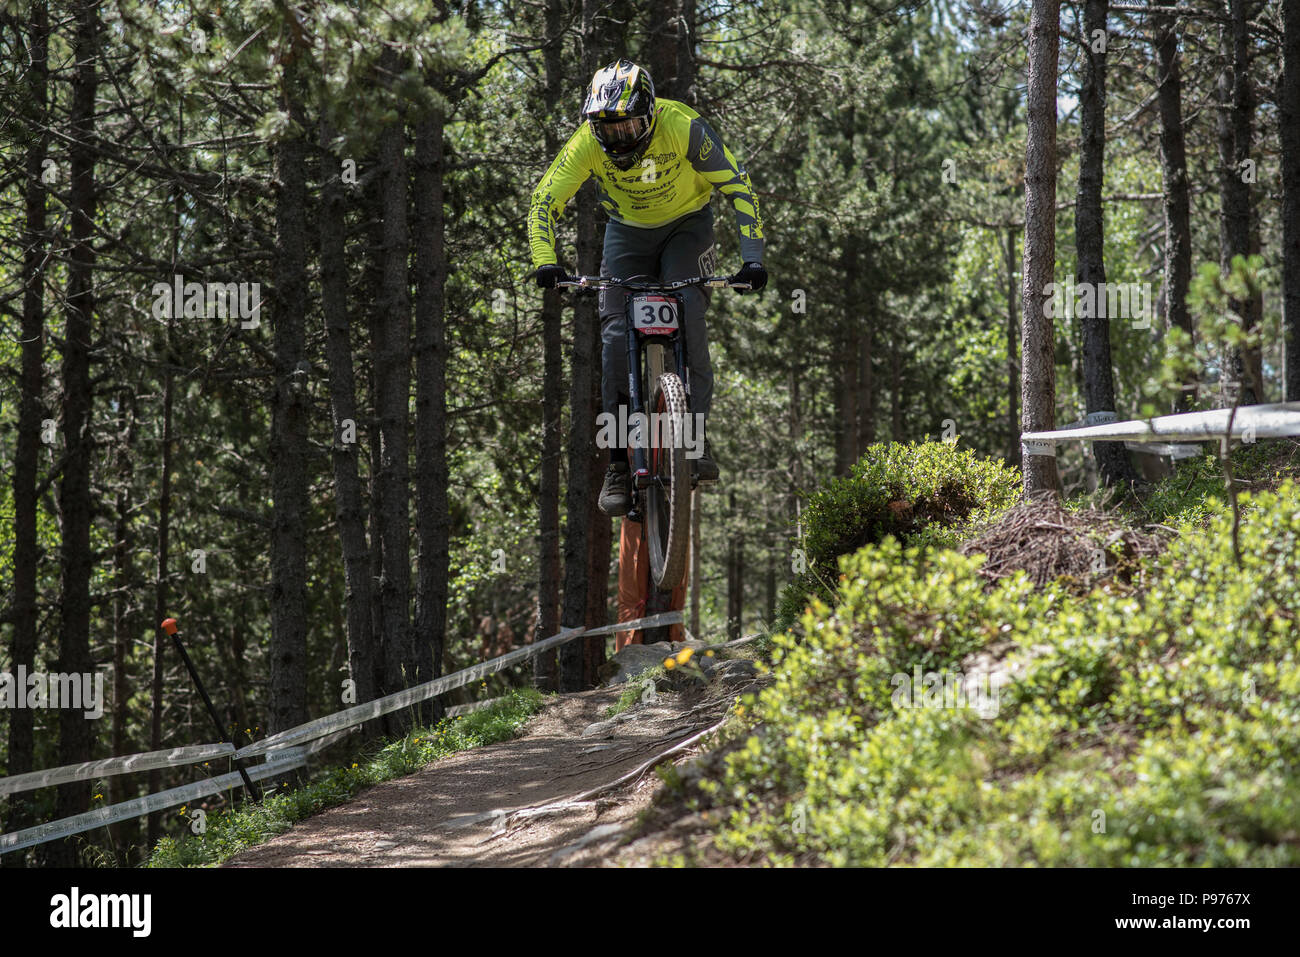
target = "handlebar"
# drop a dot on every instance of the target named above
(648, 285)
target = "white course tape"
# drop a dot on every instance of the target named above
(140, 806)
(1268, 421)
(422, 692)
(1175, 450)
(90, 770)
(282, 756)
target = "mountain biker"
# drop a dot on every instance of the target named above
(656, 163)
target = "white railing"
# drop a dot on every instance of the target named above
(279, 749)
(1249, 422)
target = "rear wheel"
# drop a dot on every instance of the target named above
(668, 497)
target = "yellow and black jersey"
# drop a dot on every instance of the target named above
(678, 172)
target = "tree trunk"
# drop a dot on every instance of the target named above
(393, 386)
(735, 579)
(432, 518)
(371, 297)
(772, 559)
(26, 549)
(866, 411)
(668, 49)
(1177, 199)
(1243, 120)
(1013, 355)
(685, 87)
(1089, 228)
(1235, 133)
(846, 451)
(290, 416)
(349, 507)
(1038, 368)
(584, 360)
(548, 493)
(76, 734)
(162, 554)
(597, 573)
(896, 396)
(1289, 132)
(582, 449)
(123, 620)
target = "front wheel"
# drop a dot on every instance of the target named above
(668, 497)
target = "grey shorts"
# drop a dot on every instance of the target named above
(676, 250)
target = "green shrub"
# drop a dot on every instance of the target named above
(1186, 493)
(919, 493)
(1152, 729)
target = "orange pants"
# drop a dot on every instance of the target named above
(634, 585)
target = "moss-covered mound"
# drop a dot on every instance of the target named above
(922, 492)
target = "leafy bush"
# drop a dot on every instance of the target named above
(1186, 494)
(916, 492)
(1152, 729)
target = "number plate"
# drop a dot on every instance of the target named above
(654, 315)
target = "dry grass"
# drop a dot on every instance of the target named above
(1049, 543)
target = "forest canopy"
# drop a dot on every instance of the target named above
(274, 363)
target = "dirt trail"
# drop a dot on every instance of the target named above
(441, 815)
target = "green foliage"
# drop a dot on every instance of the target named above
(634, 689)
(1156, 729)
(230, 832)
(1213, 300)
(1196, 484)
(911, 491)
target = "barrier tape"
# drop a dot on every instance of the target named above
(361, 713)
(1092, 418)
(1175, 450)
(147, 761)
(1267, 421)
(281, 754)
(65, 827)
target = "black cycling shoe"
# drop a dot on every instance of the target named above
(616, 493)
(706, 470)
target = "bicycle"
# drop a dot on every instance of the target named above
(661, 478)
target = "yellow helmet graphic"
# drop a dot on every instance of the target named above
(620, 107)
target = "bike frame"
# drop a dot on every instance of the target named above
(646, 353)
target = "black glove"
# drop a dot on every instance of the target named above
(752, 273)
(547, 276)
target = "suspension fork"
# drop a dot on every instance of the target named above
(679, 351)
(640, 461)
(683, 371)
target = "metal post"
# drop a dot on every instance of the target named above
(169, 626)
